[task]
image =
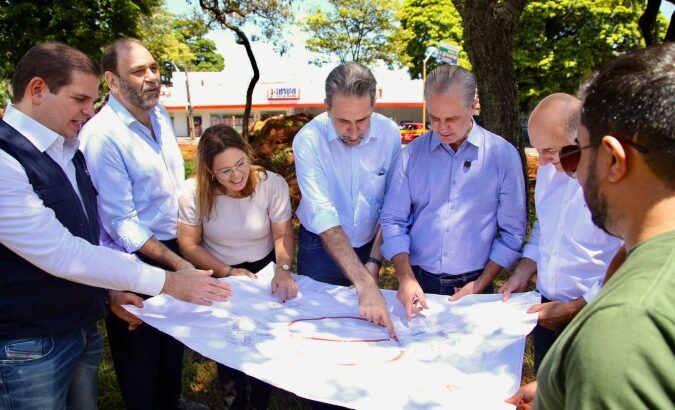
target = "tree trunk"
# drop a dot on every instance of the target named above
(243, 40)
(489, 27)
(647, 22)
(221, 16)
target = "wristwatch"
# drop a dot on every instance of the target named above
(284, 267)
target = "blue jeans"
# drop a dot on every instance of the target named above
(315, 262)
(444, 284)
(51, 372)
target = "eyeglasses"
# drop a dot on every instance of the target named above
(226, 172)
(571, 154)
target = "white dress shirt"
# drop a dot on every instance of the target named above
(138, 178)
(31, 230)
(572, 254)
(340, 185)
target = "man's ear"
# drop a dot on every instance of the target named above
(112, 80)
(327, 105)
(618, 167)
(36, 90)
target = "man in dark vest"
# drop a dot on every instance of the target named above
(52, 276)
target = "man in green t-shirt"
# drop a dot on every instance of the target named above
(619, 351)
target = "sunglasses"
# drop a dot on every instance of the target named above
(571, 154)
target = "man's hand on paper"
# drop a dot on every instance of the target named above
(284, 285)
(516, 283)
(468, 289)
(373, 307)
(118, 298)
(411, 296)
(523, 399)
(196, 286)
(552, 315)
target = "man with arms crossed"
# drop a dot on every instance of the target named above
(617, 353)
(568, 253)
(137, 169)
(51, 274)
(342, 158)
(454, 212)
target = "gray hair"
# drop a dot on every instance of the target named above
(445, 77)
(350, 79)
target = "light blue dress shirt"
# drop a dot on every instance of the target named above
(452, 211)
(340, 185)
(138, 178)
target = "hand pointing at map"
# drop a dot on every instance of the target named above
(373, 308)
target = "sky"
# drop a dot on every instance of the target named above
(294, 65)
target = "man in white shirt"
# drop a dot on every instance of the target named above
(137, 169)
(52, 276)
(566, 250)
(342, 159)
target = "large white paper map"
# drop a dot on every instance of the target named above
(465, 354)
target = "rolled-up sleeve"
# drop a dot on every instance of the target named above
(511, 215)
(395, 217)
(531, 249)
(322, 214)
(116, 208)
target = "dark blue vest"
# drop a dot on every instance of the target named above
(33, 302)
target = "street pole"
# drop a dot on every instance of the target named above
(431, 51)
(190, 119)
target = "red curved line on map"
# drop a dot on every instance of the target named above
(339, 340)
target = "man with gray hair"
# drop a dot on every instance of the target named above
(454, 211)
(342, 159)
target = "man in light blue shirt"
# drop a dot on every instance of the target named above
(137, 168)
(454, 212)
(342, 159)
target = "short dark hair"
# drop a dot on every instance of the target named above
(634, 98)
(54, 62)
(109, 59)
(350, 79)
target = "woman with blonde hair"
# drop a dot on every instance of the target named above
(235, 218)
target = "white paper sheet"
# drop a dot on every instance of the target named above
(465, 354)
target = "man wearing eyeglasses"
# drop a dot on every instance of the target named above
(342, 159)
(618, 351)
(454, 212)
(567, 252)
(137, 169)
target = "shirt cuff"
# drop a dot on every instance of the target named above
(502, 255)
(323, 221)
(531, 252)
(131, 235)
(592, 292)
(393, 246)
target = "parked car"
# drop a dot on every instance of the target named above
(410, 131)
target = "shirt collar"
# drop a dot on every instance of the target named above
(124, 114)
(474, 137)
(39, 135)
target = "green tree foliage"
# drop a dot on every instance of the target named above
(179, 40)
(85, 24)
(354, 30)
(425, 23)
(560, 42)
(557, 42)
